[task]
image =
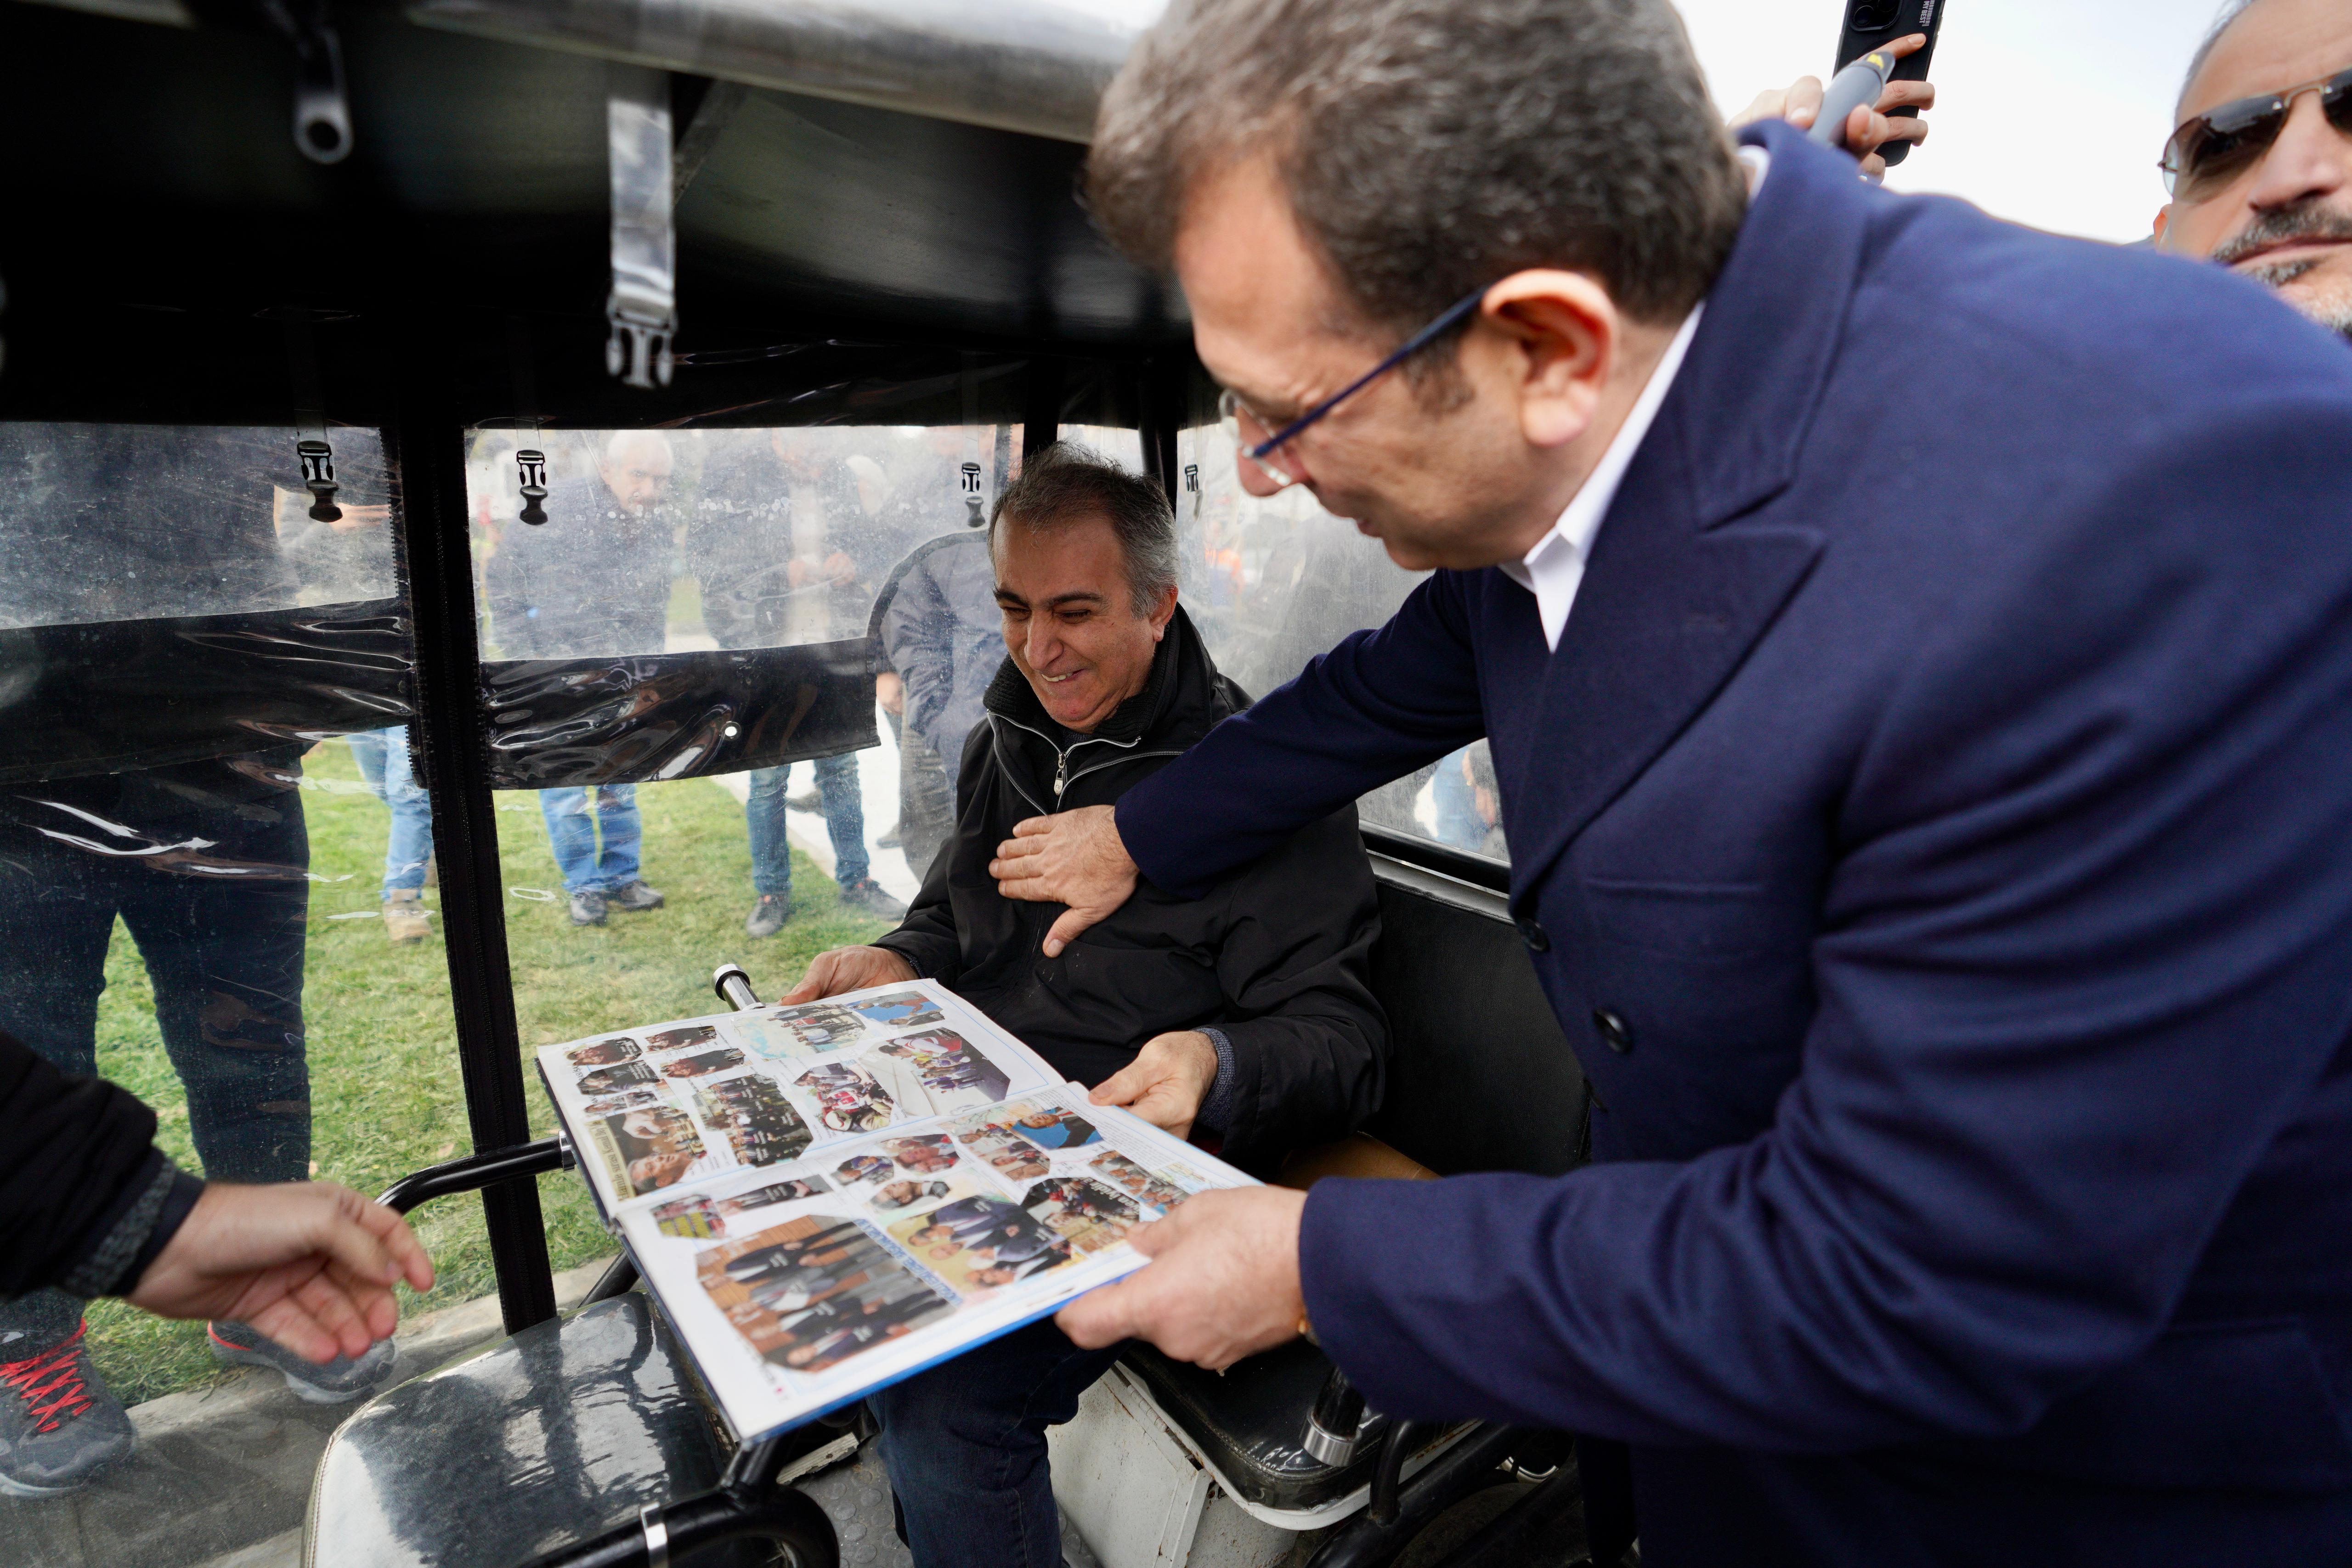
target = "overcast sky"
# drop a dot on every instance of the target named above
(2054, 112)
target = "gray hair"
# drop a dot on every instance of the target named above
(1066, 484)
(1431, 147)
(624, 441)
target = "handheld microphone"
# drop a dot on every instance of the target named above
(1858, 84)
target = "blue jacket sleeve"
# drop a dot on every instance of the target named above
(1382, 704)
(2085, 958)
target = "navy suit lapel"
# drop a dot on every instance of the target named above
(1666, 614)
(1678, 590)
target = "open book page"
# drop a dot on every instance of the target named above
(801, 1287)
(651, 1108)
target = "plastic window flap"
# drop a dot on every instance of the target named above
(1273, 581)
(165, 596)
(707, 601)
(643, 309)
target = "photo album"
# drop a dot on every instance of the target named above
(826, 1199)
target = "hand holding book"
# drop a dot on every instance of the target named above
(829, 1195)
(1166, 1081)
(1222, 1282)
(849, 969)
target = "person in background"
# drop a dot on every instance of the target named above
(2260, 166)
(89, 1207)
(773, 546)
(944, 638)
(204, 863)
(594, 580)
(384, 763)
(338, 560)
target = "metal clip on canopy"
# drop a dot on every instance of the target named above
(318, 460)
(530, 470)
(971, 495)
(311, 449)
(643, 310)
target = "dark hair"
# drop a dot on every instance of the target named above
(1431, 147)
(1065, 483)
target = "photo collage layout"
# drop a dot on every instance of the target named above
(808, 1186)
(761, 1087)
(850, 1250)
(813, 1292)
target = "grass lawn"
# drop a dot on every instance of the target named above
(386, 1096)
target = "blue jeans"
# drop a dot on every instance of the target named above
(1458, 822)
(965, 1446)
(225, 957)
(844, 822)
(382, 758)
(596, 846)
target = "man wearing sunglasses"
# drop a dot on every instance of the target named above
(2260, 171)
(1930, 814)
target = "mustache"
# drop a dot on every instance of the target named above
(2284, 226)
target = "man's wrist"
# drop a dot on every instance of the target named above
(139, 1231)
(1216, 1109)
(914, 969)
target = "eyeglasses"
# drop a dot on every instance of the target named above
(1247, 431)
(2223, 144)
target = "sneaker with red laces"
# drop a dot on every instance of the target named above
(58, 1426)
(343, 1378)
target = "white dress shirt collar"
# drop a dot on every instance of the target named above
(1554, 569)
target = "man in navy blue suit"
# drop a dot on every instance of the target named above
(1930, 804)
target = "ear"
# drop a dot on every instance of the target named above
(2163, 221)
(1564, 332)
(1162, 612)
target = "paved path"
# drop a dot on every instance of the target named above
(222, 1475)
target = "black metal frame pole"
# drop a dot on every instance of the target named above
(428, 444)
(1160, 404)
(1041, 405)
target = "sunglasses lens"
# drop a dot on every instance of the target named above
(2336, 100)
(2207, 154)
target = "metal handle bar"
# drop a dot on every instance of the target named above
(475, 1172)
(662, 1536)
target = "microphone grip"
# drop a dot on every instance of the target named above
(1860, 83)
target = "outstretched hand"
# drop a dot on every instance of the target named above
(849, 969)
(1222, 1282)
(309, 1264)
(1869, 126)
(1072, 857)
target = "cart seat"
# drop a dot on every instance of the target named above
(1248, 1422)
(551, 1436)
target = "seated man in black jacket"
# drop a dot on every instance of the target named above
(1243, 1018)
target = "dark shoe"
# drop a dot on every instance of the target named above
(812, 802)
(768, 915)
(58, 1426)
(635, 898)
(890, 841)
(588, 908)
(342, 1379)
(866, 896)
